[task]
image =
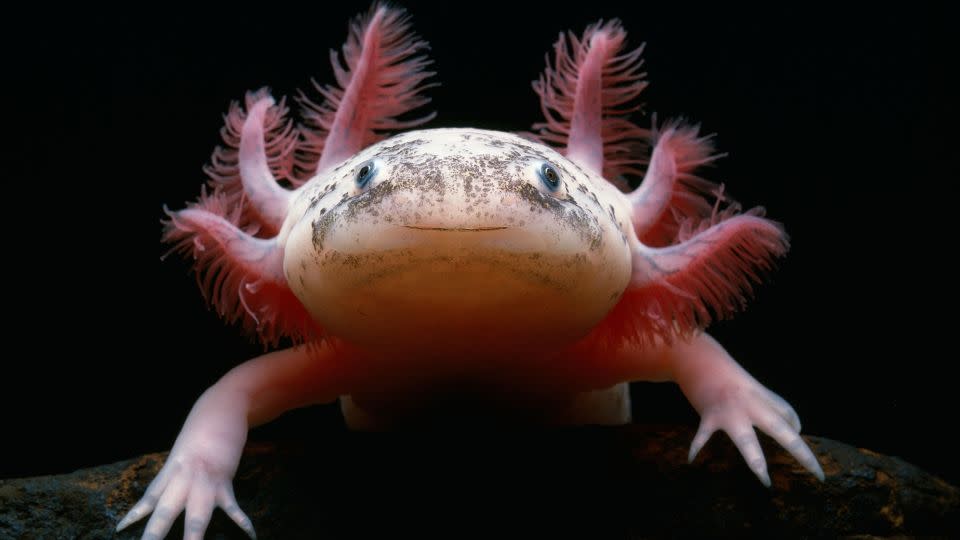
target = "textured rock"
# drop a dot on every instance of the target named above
(625, 482)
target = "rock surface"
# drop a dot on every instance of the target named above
(623, 482)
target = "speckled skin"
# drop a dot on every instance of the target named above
(462, 270)
(469, 205)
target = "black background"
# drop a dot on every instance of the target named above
(834, 120)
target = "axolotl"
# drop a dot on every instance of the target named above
(517, 270)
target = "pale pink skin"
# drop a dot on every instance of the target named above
(675, 259)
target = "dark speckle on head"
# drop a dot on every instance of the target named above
(565, 210)
(370, 199)
(400, 149)
(534, 196)
(456, 226)
(320, 228)
(479, 177)
(319, 196)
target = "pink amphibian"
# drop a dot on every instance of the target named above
(518, 270)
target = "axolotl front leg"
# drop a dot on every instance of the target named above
(730, 399)
(723, 393)
(235, 233)
(694, 255)
(198, 474)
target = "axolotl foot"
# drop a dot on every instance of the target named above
(182, 485)
(730, 399)
(198, 474)
(738, 410)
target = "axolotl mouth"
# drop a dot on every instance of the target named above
(428, 242)
(422, 287)
(455, 229)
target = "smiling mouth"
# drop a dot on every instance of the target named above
(455, 229)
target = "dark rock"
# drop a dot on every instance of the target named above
(625, 482)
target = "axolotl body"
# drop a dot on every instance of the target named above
(515, 270)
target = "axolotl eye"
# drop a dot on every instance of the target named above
(366, 172)
(549, 176)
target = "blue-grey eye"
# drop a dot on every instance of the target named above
(549, 176)
(366, 173)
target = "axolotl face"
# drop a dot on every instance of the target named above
(458, 240)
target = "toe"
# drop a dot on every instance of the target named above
(143, 507)
(168, 508)
(781, 407)
(227, 501)
(200, 504)
(789, 439)
(704, 432)
(148, 502)
(745, 438)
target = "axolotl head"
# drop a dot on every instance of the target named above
(458, 237)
